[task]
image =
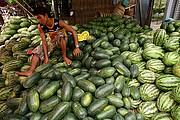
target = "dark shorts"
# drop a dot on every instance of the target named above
(51, 44)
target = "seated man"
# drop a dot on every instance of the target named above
(56, 28)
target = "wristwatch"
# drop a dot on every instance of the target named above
(77, 46)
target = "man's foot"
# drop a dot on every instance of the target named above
(67, 61)
(26, 73)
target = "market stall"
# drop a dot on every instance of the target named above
(125, 71)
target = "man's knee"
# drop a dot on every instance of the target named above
(62, 40)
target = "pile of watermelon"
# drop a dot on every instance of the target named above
(124, 72)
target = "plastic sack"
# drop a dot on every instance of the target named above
(125, 3)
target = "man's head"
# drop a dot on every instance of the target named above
(41, 13)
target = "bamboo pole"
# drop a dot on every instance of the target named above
(27, 11)
(28, 5)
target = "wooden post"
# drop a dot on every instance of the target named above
(140, 15)
(149, 13)
(55, 8)
(168, 9)
(65, 8)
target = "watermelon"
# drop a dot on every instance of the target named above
(172, 44)
(164, 102)
(176, 94)
(176, 69)
(162, 116)
(147, 109)
(167, 82)
(153, 53)
(135, 57)
(155, 65)
(149, 92)
(159, 37)
(175, 112)
(146, 76)
(171, 58)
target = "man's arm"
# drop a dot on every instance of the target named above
(70, 29)
(44, 44)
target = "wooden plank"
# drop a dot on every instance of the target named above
(140, 11)
(168, 8)
(149, 13)
(176, 14)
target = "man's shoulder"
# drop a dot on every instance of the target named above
(57, 19)
(42, 26)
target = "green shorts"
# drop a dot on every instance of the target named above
(50, 44)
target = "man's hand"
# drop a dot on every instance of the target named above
(46, 60)
(76, 52)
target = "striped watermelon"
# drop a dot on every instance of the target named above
(149, 92)
(168, 70)
(175, 112)
(172, 44)
(159, 37)
(147, 109)
(135, 57)
(170, 58)
(176, 69)
(135, 103)
(149, 45)
(146, 76)
(176, 94)
(153, 53)
(141, 65)
(126, 53)
(164, 102)
(133, 82)
(167, 82)
(162, 116)
(155, 65)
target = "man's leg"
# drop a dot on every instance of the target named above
(63, 47)
(35, 60)
(1, 20)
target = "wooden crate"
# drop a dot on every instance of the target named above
(131, 9)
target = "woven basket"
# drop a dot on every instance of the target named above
(130, 10)
(119, 10)
(127, 16)
(103, 14)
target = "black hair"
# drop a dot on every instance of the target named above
(42, 11)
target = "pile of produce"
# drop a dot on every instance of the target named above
(172, 28)
(158, 10)
(124, 72)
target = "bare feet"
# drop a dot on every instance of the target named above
(67, 61)
(26, 73)
(46, 60)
